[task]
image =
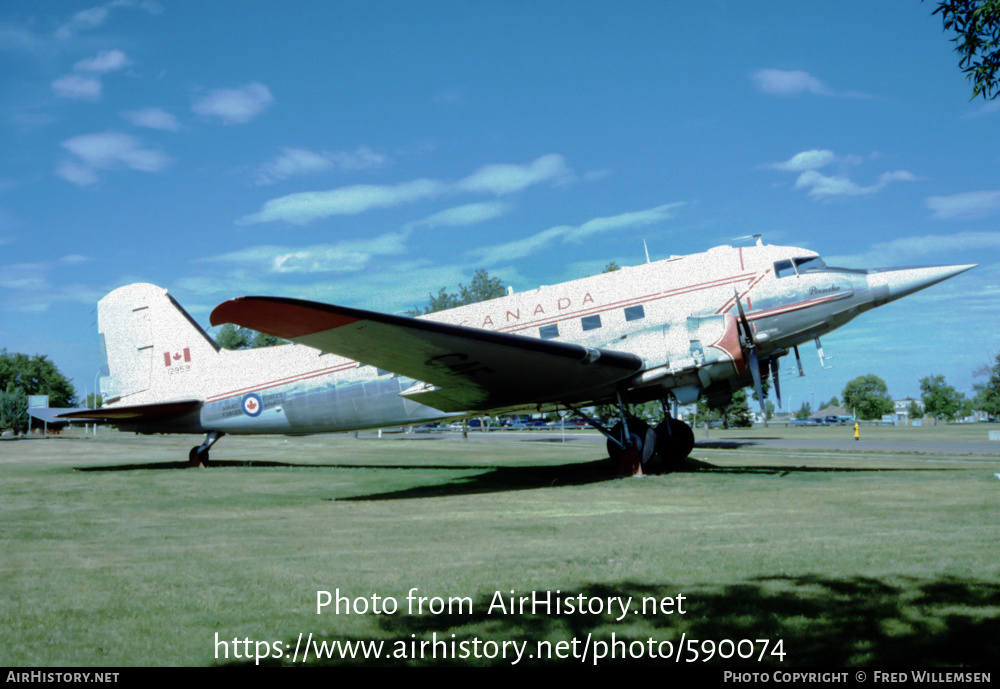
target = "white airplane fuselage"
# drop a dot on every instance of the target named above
(679, 315)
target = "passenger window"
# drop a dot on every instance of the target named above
(783, 269)
(634, 313)
(549, 332)
(591, 322)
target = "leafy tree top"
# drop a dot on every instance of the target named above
(233, 337)
(35, 375)
(482, 288)
(941, 400)
(868, 397)
(977, 41)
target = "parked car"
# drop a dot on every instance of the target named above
(807, 422)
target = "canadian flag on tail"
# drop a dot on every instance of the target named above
(175, 358)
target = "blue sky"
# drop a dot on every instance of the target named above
(368, 154)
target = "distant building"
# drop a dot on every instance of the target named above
(902, 408)
(832, 410)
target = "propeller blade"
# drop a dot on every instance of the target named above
(798, 360)
(755, 371)
(774, 377)
(744, 323)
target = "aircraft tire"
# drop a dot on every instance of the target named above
(640, 430)
(674, 445)
(197, 460)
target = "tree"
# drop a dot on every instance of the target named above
(804, 412)
(93, 403)
(13, 410)
(988, 393)
(914, 411)
(834, 402)
(35, 376)
(483, 288)
(735, 413)
(977, 25)
(769, 410)
(868, 396)
(232, 337)
(941, 401)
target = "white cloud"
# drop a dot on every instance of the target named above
(234, 106)
(108, 151)
(79, 174)
(88, 86)
(85, 19)
(624, 220)
(153, 118)
(988, 109)
(96, 16)
(348, 256)
(305, 207)
(968, 206)
(507, 178)
(461, 216)
(103, 62)
(300, 161)
(907, 250)
(807, 160)
(789, 83)
(77, 87)
(26, 288)
(520, 248)
(819, 185)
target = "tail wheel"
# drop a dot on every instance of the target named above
(640, 435)
(674, 442)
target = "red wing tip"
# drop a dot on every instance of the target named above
(284, 318)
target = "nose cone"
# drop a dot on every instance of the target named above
(889, 284)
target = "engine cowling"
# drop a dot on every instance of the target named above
(691, 353)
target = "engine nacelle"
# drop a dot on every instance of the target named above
(697, 351)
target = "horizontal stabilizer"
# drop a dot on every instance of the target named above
(137, 412)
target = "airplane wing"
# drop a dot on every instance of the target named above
(463, 369)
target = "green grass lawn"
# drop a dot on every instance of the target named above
(112, 553)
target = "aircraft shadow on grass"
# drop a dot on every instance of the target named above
(821, 621)
(499, 479)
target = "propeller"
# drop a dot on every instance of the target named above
(750, 345)
(774, 377)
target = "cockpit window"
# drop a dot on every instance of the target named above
(784, 269)
(813, 264)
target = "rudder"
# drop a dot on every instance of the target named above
(154, 351)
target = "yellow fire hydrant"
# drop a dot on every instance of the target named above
(857, 431)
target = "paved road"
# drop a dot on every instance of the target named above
(985, 448)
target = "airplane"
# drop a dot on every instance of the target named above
(674, 330)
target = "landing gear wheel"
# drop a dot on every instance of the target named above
(674, 443)
(196, 459)
(641, 445)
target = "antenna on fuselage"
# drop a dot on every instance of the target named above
(756, 237)
(647, 250)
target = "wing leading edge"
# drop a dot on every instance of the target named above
(463, 369)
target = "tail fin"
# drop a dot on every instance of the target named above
(154, 351)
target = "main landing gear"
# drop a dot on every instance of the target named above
(198, 456)
(635, 448)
